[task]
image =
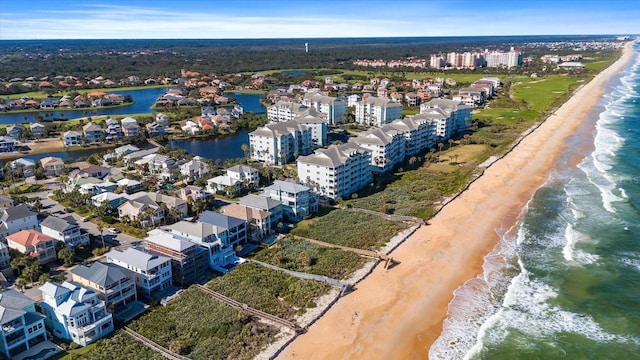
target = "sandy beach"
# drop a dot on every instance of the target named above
(398, 313)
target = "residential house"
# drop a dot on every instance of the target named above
(190, 127)
(175, 205)
(191, 192)
(33, 244)
(152, 272)
(297, 200)
(114, 284)
(375, 111)
(17, 218)
(194, 168)
(125, 150)
(145, 207)
(130, 127)
(112, 198)
(130, 186)
(5, 260)
(53, 166)
(96, 171)
(22, 327)
(336, 172)
(113, 130)
(280, 142)
(412, 99)
(7, 144)
(92, 132)
(15, 131)
(37, 130)
(155, 129)
(258, 221)
(213, 239)
(386, 144)
(241, 175)
(259, 202)
(236, 228)
(65, 229)
(162, 119)
(6, 201)
(75, 313)
(72, 138)
(23, 167)
(162, 166)
(134, 156)
(188, 260)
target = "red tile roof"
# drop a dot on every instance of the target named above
(29, 237)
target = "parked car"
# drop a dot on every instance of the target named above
(113, 231)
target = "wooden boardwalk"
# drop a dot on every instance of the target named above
(153, 346)
(250, 310)
(368, 253)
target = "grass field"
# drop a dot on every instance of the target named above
(44, 95)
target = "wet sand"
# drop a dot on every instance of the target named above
(398, 313)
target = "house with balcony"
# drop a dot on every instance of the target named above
(114, 284)
(15, 131)
(33, 244)
(280, 143)
(72, 138)
(194, 168)
(237, 175)
(23, 167)
(37, 130)
(159, 165)
(66, 230)
(17, 218)
(21, 326)
(191, 193)
(53, 166)
(130, 127)
(188, 260)
(130, 186)
(93, 133)
(5, 260)
(140, 207)
(152, 272)
(337, 171)
(75, 313)
(259, 202)
(214, 240)
(298, 201)
(236, 228)
(7, 144)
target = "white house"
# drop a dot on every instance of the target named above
(75, 313)
(17, 218)
(375, 111)
(280, 142)
(297, 200)
(65, 230)
(338, 171)
(194, 168)
(22, 327)
(236, 175)
(153, 272)
(214, 239)
(72, 138)
(23, 167)
(259, 202)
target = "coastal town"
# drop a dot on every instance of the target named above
(97, 252)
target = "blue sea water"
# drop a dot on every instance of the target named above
(564, 283)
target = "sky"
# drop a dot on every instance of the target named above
(236, 19)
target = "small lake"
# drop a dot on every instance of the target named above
(293, 72)
(250, 103)
(143, 101)
(228, 147)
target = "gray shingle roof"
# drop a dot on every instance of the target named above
(220, 220)
(287, 186)
(59, 224)
(12, 304)
(17, 212)
(137, 258)
(102, 274)
(259, 202)
(198, 229)
(333, 156)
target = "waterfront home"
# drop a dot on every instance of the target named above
(92, 132)
(376, 111)
(22, 327)
(7, 144)
(297, 200)
(37, 130)
(114, 284)
(213, 239)
(130, 127)
(23, 167)
(337, 171)
(236, 228)
(33, 244)
(386, 144)
(279, 143)
(5, 260)
(53, 166)
(188, 260)
(47, 104)
(131, 157)
(190, 127)
(112, 198)
(75, 313)
(194, 168)
(66, 230)
(332, 108)
(162, 119)
(240, 175)
(152, 272)
(15, 131)
(125, 149)
(17, 218)
(155, 129)
(72, 138)
(130, 186)
(259, 202)
(258, 224)
(162, 166)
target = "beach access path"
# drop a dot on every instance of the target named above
(398, 314)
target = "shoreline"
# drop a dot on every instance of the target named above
(398, 314)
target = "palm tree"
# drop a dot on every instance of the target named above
(440, 146)
(245, 149)
(451, 143)
(100, 229)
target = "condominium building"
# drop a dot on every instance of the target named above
(318, 127)
(419, 132)
(283, 111)
(459, 114)
(75, 313)
(152, 272)
(375, 111)
(331, 107)
(338, 171)
(386, 144)
(280, 142)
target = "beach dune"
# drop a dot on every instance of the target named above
(398, 313)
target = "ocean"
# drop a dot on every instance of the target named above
(564, 282)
